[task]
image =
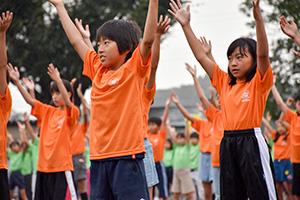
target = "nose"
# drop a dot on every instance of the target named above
(100, 49)
(233, 62)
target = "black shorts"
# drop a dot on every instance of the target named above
(51, 186)
(118, 179)
(4, 190)
(16, 179)
(246, 168)
(296, 179)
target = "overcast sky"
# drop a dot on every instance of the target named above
(219, 20)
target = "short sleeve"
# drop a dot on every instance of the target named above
(266, 81)
(288, 116)
(72, 115)
(150, 93)
(6, 103)
(197, 124)
(211, 113)
(39, 110)
(219, 78)
(136, 61)
(92, 64)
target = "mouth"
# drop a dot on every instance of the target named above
(235, 71)
(102, 58)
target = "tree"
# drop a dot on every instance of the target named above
(284, 63)
(36, 37)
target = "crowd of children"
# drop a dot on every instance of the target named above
(112, 150)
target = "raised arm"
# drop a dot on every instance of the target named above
(283, 107)
(83, 102)
(15, 76)
(5, 21)
(162, 27)
(85, 32)
(289, 27)
(29, 127)
(262, 49)
(267, 124)
(183, 17)
(206, 103)
(183, 111)
(165, 115)
(55, 76)
(70, 29)
(149, 31)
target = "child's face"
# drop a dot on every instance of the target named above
(194, 141)
(15, 148)
(109, 53)
(57, 99)
(180, 140)
(167, 145)
(239, 63)
(153, 127)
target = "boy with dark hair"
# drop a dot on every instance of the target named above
(118, 72)
(5, 103)
(57, 125)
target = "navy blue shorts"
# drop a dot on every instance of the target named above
(4, 191)
(16, 179)
(283, 170)
(118, 179)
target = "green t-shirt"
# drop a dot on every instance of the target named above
(182, 156)
(15, 160)
(168, 157)
(27, 165)
(194, 156)
(35, 153)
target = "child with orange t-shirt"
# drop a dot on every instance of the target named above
(57, 125)
(293, 118)
(118, 74)
(204, 129)
(157, 135)
(245, 163)
(5, 103)
(282, 164)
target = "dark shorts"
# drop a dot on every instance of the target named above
(79, 167)
(118, 179)
(4, 189)
(296, 179)
(16, 179)
(283, 170)
(51, 186)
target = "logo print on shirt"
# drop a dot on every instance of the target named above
(246, 96)
(113, 82)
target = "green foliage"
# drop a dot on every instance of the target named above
(36, 37)
(284, 63)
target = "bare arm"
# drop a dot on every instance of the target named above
(183, 111)
(267, 125)
(29, 85)
(149, 31)
(206, 103)
(15, 76)
(162, 27)
(70, 29)
(83, 102)
(55, 76)
(283, 107)
(165, 115)
(262, 50)
(5, 21)
(183, 17)
(29, 127)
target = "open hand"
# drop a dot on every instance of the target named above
(163, 25)
(206, 45)
(53, 72)
(28, 83)
(183, 16)
(14, 73)
(5, 20)
(84, 31)
(193, 71)
(288, 27)
(256, 9)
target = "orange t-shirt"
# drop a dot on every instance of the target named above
(215, 117)
(281, 146)
(244, 103)
(77, 138)
(148, 96)
(56, 129)
(5, 107)
(205, 130)
(294, 119)
(158, 143)
(116, 125)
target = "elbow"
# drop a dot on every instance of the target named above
(147, 43)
